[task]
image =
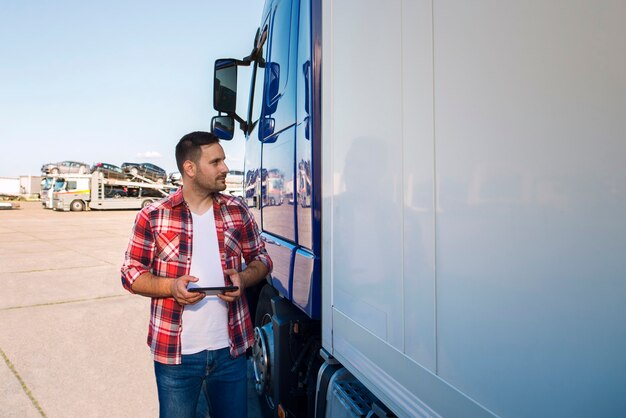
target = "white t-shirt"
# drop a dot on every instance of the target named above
(205, 324)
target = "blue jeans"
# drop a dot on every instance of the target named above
(179, 385)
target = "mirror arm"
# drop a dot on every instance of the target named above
(242, 123)
(245, 62)
(254, 54)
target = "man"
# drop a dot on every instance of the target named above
(196, 238)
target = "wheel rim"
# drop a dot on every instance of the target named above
(262, 358)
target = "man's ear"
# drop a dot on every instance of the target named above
(190, 168)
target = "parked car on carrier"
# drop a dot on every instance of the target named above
(65, 167)
(146, 170)
(115, 191)
(109, 170)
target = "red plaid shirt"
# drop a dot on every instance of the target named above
(161, 243)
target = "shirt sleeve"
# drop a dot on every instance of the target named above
(252, 245)
(140, 251)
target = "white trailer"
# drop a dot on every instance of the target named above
(30, 186)
(474, 193)
(9, 186)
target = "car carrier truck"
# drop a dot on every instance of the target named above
(99, 192)
(462, 247)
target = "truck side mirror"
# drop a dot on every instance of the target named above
(223, 127)
(225, 85)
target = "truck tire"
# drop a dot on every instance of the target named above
(134, 171)
(146, 203)
(81, 170)
(54, 171)
(261, 351)
(268, 369)
(264, 304)
(77, 206)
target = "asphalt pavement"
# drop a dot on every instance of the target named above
(73, 341)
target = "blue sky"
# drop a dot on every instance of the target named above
(113, 81)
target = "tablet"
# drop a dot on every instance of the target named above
(213, 290)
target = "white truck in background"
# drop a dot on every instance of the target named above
(461, 247)
(94, 191)
(59, 183)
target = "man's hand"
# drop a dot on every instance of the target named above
(236, 279)
(178, 287)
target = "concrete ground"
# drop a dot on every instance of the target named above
(73, 341)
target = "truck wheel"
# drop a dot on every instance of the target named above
(145, 203)
(134, 171)
(81, 170)
(263, 350)
(77, 206)
(54, 171)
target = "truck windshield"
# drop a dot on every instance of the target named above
(59, 185)
(46, 184)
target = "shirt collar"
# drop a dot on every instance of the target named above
(178, 199)
(218, 198)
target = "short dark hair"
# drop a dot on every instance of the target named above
(188, 148)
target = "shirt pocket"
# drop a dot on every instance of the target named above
(167, 246)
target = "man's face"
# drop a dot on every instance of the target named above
(211, 170)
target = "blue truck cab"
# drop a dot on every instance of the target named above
(280, 135)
